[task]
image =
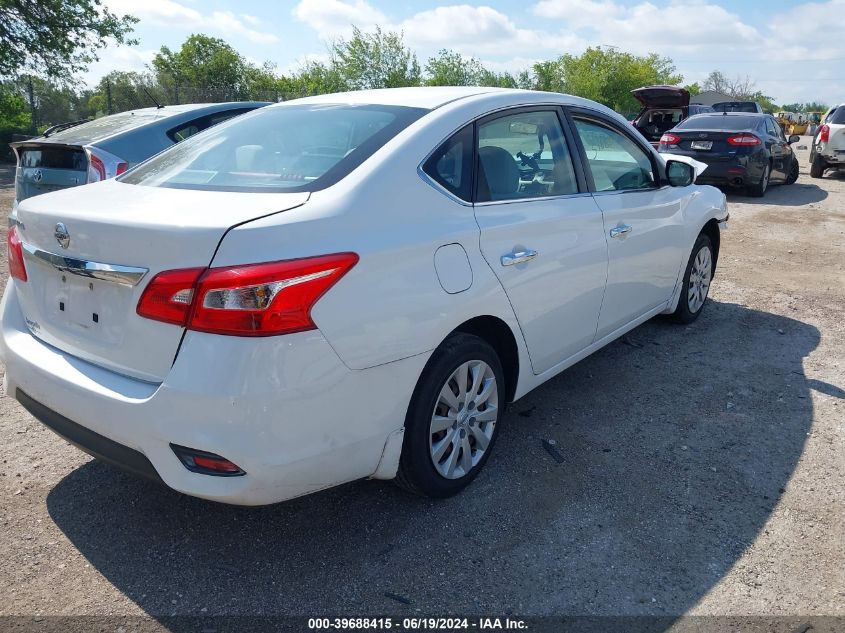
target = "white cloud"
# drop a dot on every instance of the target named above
(335, 18)
(172, 14)
(118, 57)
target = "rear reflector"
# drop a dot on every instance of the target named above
(670, 139)
(17, 268)
(252, 300)
(744, 140)
(206, 463)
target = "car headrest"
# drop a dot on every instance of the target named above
(500, 171)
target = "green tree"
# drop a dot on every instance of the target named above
(693, 89)
(56, 38)
(119, 91)
(312, 78)
(449, 68)
(375, 60)
(606, 75)
(207, 69)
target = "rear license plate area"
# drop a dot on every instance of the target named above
(702, 145)
(75, 302)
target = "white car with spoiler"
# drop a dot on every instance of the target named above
(345, 286)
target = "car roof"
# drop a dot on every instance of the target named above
(100, 129)
(427, 97)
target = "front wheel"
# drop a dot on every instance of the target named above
(794, 170)
(453, 417)
(697, 277)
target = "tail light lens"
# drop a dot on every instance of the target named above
(744, 140)
(169, 296)
(13, 247)
(121, 167)
(96, 168)
(824, 133)
(670, 139)
(253, 300)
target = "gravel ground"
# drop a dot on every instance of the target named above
(703, 474)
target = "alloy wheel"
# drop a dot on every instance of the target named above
(699, 279)
(464, 419)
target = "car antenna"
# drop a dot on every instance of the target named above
(158, 105)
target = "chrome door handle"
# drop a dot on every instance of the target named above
(518, 258)
(619, 231)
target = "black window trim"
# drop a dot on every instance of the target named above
(573, 112)
(428, 178)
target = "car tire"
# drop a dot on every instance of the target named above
(794, 171)
(448, 438)
(817, 167)
(759, 190)
(697, 278)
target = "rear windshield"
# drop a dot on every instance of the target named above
(53, 158)
(837, 116)
(736, 106)
(105, 126)
(719, 122)
(285, 148)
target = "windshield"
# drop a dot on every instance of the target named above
(719, 122)
(284, 148)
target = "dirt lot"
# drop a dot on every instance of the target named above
(703, 474)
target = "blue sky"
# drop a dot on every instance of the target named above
(795, 51)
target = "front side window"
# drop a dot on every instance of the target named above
(451, 164)
(523, 155)
(616, 162)
(277, 148)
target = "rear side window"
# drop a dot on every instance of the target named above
(278, 148)
(180, 133)
(616, 162)
(523, 155)
(837, 116)
(451, 164)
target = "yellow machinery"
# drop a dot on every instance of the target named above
(793, 122)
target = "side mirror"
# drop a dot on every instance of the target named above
(679, 174)
(794, 139)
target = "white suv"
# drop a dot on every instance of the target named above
(828, 151)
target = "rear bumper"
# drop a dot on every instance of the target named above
(285, 409)
(738, 172)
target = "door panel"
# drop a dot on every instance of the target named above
(644, 262)
(643, 221)
(542, 237)
(556, 295)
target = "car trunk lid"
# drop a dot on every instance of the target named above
(662, 96)
(46, 167)
(695, 143)
(90, 253)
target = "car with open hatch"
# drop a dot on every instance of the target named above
(663, 107)
(346, 286)
(742, 150)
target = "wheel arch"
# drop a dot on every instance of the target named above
(711, 230)
(500, 336)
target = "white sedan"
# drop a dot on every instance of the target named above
(346, 286)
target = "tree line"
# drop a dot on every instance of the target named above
(38, 70)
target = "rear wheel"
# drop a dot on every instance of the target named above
(697, 279)
(453, 417)
(794, 170)
(759, 190)
(817, 167)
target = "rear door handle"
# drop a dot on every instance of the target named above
(619, 231)
(518, 258)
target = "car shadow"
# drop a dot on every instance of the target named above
(677, 443)
(794, 195)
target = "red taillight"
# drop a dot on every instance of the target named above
(744, 140)
(206, 463)
(824, 133)
(670, 139)
(17, 268)
(169, 296)
(121, 167)
(252, 300)
(96, 168)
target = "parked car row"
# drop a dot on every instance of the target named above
(346, 286)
